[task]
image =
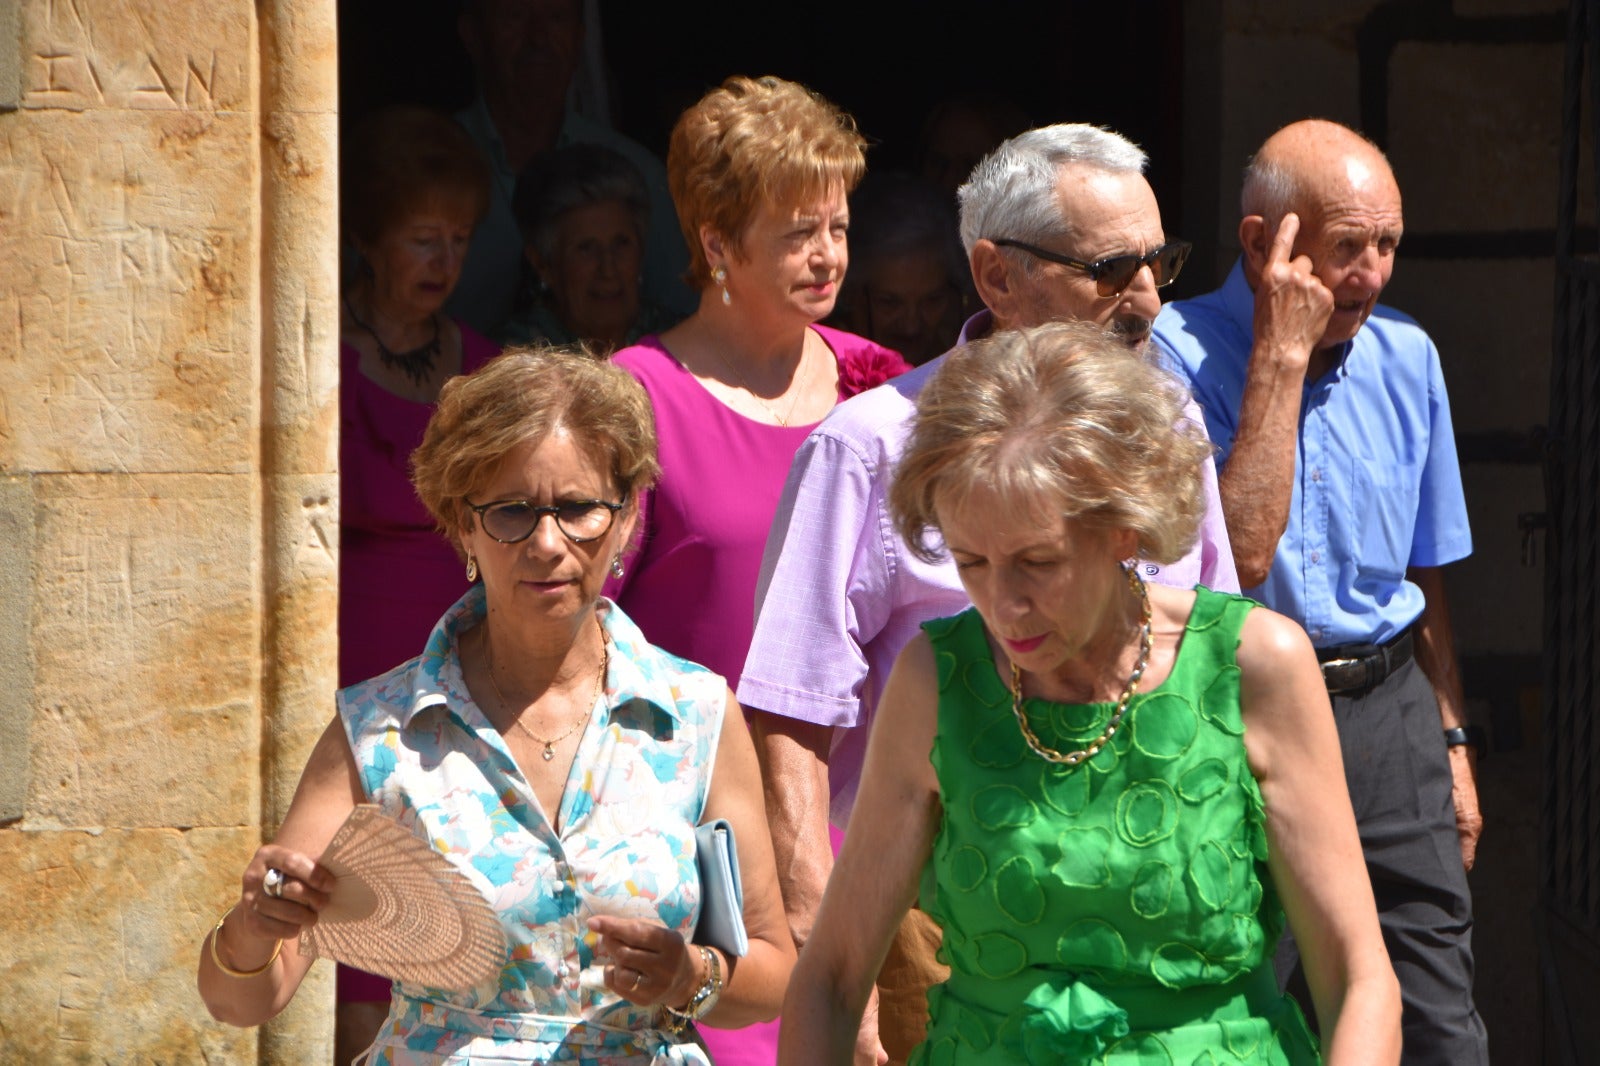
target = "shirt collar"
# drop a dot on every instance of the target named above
(977, 327)
(436, 673)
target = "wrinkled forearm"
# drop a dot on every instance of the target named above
(794, 773)
(1436, 646)
(1257, 482)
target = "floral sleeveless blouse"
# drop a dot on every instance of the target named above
(430, 758)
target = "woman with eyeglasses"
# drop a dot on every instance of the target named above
(1108, 794)
(541, 743)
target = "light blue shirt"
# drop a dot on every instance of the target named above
(1376, 484)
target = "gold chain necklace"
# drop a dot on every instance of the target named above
(744, 383)
(599, 686)
(1073, 758)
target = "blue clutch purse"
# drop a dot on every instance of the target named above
(721, 923)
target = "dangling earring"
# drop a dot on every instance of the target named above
(720, 276)
(472, 568)
(616, 565)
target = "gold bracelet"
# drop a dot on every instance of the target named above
(703, 999)
(216, 934)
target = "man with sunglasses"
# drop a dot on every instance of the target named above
(1343, 495)
(1059, 223)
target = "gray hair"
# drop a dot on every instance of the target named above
(1270, 189)
(578, 175)
(1012, 193)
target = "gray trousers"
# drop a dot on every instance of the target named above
(1398, 771)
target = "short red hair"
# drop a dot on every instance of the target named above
(754, 141)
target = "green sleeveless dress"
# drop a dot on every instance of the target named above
(1120, 912)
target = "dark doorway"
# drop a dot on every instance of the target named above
(889, 64)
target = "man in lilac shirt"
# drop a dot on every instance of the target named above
(1059, 223)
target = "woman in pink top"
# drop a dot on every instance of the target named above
(759, 171)
(414, 189)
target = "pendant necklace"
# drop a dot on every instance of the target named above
(744, 383)
(417, 363)
(549, 751)
(1071, 759)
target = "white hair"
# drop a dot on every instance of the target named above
(1012, 193)
(1269, 190)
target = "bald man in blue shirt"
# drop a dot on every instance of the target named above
(1339, 481)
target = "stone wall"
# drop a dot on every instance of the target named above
(167, 501)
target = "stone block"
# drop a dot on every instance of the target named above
(130, 54)
(1491, 320)
(299, 50)
(146, 634)
(100, 958)
(16, 646)
(300, 608)
(300, 294)
(1503, 103)
(127, 305)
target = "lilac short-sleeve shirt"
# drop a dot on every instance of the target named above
(840, 594)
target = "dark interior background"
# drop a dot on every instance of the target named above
(888, 64)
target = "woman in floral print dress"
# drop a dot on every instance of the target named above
(539, 742)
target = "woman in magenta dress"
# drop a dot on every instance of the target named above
(759, 171)
(414, 189)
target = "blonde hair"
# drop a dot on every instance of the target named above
(1061, 417)
(522, 396)
(755, 141)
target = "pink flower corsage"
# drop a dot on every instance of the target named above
(867, 368)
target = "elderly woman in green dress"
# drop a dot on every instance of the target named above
(1108, 794)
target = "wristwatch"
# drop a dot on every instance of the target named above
(1462, 736)
(704, 998)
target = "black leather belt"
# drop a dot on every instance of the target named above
(1356, 669)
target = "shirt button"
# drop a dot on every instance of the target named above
(1316, 475)
(1316, 557)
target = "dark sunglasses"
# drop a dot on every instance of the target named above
(1115, 273)
(513, 521)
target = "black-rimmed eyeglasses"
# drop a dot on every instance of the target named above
(1113, 274)
(513, 521)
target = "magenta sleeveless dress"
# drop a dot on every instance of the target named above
(691, 587)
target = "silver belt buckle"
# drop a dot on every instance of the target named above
(1333, 666)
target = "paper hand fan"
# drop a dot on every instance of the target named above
(400, 909)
